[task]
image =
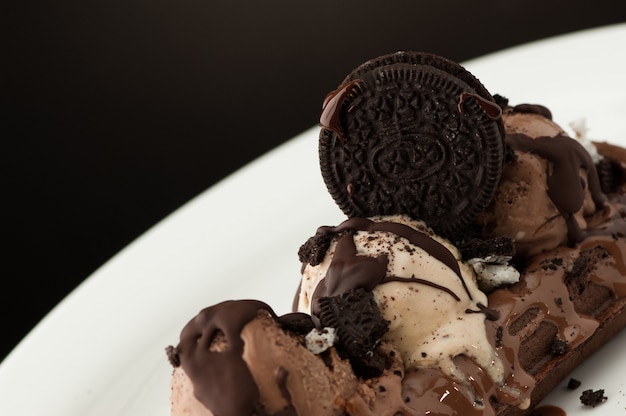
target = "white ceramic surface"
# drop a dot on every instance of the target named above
(101, 350)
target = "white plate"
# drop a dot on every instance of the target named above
(101, 350)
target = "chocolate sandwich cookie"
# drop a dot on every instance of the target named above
(412, 133)
(360, 326)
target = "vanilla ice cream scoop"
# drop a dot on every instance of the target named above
(429, 296)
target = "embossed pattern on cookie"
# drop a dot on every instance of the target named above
(412, 133)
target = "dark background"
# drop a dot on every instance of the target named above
(115, 113)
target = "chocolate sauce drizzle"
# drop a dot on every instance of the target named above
(237, 393)
(565, 187)
(330, 118)
(491, 109)
(490, 314)
(348, 271)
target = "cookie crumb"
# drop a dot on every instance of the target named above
(573, 384)
(593, 398)
(318, 341)
(172, 356)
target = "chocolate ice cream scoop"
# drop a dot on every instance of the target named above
(547, 191)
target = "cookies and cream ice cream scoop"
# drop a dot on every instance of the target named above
(429, 296)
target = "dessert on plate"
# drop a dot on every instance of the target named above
(481, 260)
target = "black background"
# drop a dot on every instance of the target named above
(115, 113)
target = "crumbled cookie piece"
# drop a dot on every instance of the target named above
(593, 398)
(573, 384)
